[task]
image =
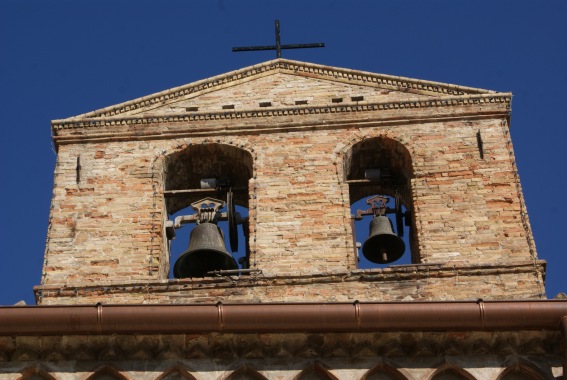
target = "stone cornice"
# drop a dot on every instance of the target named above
(466, 100)
(349, 346)
(288, 67)
(411, 272)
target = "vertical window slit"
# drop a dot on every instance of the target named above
(480, 144)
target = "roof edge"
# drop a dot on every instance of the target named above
(357, 316)
(448, 101)
(288, 66)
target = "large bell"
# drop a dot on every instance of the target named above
(206, 252)
(383, 246)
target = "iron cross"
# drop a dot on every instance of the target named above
(278, 46)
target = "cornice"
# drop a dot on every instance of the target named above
(288, 67)
(347, 346)
(393, 274)
(456, 101)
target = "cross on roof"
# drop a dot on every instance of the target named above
(278, 46)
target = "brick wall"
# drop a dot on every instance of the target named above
(107, 221)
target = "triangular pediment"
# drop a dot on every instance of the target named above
(281, 84)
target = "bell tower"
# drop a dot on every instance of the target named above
(295, 182)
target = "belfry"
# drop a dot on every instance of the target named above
(336, 224)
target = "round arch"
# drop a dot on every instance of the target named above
(382, 166)
(315, 371)
(246, 372)
(35, 373)
(521, 370)
(450, 372)
(185, 169)
(390, 162)
(221, 167)
(107, 372)
(384, 371)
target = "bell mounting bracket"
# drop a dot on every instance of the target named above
(378, 208)
(207, 210)
(233, 220)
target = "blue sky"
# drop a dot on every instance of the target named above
(63, 58)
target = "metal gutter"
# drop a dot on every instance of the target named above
(564, 336)
(286, 317)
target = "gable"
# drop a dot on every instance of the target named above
(282, 83)
(279, 90)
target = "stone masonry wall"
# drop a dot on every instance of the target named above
(107, 222)
(416, 356)
(109, 225)
(394, 284)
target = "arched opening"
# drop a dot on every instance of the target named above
(383, 372)
(315, 372)
(107, 373)
(179, 372)
(35, 373)
(521, 371)
(207, 184)
(451, 373)
(379, 171)
(246, 373)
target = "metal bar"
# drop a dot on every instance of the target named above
(274, 47)
(303, 46)
(184, 219)
(563, 328)
(234, 271)
(354, 243)
(252, 48)
(187, 192)
(278, 44)
(416, 265)
(361, 182)
(480, 144)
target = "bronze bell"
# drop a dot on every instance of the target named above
(206, 252)
(383, 246)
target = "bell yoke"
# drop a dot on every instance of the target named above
(206, 251)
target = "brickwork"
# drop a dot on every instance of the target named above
(407, 283)
(107, 223)
(295, 140)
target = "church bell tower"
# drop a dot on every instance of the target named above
(295, 182)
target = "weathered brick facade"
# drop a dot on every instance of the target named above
(295, 140)
(298, 159)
